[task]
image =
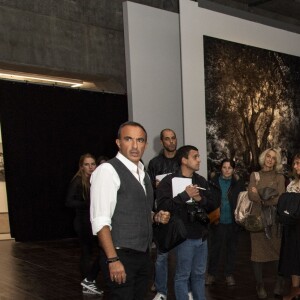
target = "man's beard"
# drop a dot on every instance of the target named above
(170, 150)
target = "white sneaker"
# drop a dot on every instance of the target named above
(89, 287)
(160, 296)
(190, 296)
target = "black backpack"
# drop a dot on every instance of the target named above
(288, 208)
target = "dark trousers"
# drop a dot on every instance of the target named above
(89, 266)
(223, 240)
(137, 268)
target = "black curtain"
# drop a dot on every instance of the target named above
(44, 131)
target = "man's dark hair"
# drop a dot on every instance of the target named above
(230, 161)
(183, 152)
(161, 136)
(131, 123)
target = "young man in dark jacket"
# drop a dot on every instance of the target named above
(165, 162)
(191, 206)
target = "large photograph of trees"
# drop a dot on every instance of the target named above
(252, 98)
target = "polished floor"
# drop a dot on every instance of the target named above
(49, 270)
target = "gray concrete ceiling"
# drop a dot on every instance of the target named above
(284, 14)
(85, 39)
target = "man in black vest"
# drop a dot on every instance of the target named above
(121, 215)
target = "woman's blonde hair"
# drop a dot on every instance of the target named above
(278, 166)
(85, 181)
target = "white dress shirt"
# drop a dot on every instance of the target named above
(105, 183)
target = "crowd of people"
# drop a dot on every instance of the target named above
(120, 200)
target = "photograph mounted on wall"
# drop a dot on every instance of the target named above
(252, 99)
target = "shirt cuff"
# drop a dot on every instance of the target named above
(99, 223)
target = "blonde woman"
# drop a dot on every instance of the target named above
(289, 263)
(266, 248)
(79, 198)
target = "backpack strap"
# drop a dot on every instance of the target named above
(257, 177)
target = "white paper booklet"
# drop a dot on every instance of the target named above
(160, 177)
(179, 184)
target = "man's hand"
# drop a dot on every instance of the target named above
(162, 217)
(117, 272)
(193, 192)
(116, 268)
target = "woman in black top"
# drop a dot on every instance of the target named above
(289, 262)
(79, 198)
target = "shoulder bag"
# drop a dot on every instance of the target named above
(214, 216)
(244, 215)
(168, 236)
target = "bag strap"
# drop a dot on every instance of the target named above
(257, 177)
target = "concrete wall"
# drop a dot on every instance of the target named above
(65, 35)
(152, 43)
(71, 38)
(80, 37)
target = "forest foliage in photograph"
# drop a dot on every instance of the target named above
(252, 103)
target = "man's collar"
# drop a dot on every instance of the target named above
(128, 163)
(180, 170)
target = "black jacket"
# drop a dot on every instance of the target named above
(75, 198)
(81, 204)
(177, 205)
(161, 165)
(236, 186)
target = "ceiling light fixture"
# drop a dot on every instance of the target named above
(19, 76)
